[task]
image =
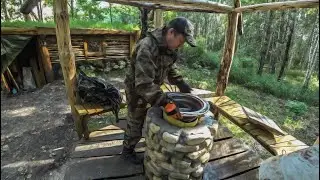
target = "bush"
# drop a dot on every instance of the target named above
(296, 107)
(196, 57)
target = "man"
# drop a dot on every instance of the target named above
(153, 61)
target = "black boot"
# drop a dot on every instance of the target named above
(131, 155)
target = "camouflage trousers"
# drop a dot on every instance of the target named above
(137, 110)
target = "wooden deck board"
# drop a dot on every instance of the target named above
(101, 167)
(250, 175)
(259, 130)
(222, 133)
(107, 148)
(232, 165)
(139, 177)
(226, 148)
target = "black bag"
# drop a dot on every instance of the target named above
(94, 90)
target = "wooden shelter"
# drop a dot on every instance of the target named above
(87, 45)
(231, 159)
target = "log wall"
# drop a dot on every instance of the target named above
(93, 47)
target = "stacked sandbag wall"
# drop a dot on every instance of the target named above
(175, 153)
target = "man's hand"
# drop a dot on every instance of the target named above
(184, 87)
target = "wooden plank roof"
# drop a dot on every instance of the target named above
(52, 31)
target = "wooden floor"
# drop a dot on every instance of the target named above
(99, 157)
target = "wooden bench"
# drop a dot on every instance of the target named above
(275, 143)
(84, 111)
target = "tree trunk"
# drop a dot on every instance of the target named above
(158, 18)
(310, 38)
(266, 44)
(110, 12)
(312, 62)
(39, 11)
(34, 16)
(144, 22)
(288, 45)
(66, 55)
(272, 54)
(228, 52)
(72, 8)
(5, 10)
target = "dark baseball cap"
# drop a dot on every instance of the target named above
(184, 27)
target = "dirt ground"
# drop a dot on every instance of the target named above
(36, 132)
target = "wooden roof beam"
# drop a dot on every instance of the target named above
(279, 6)
(177, 5)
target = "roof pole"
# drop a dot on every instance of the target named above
(158, 18)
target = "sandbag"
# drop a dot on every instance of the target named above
(28, 81)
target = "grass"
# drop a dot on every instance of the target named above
(73, 24)
(243, 73)
(303, 126)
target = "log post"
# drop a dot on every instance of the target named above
(131, 45)
(158, 20)
(66, 55)
(45, 58)
(228, 52)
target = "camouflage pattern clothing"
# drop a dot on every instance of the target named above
(151, 64)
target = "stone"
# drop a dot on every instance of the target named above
(5, 147)
(195, 141)
(156, 139)
(154, 128)
(171, 178)
(153, 170)
(150, 134)
(179, 175)
(160, 156)
(155, 166)
(197, 154)
(29, 176)
(186, 148)
(20, 169)
(205, 158)
(156, 178)
(170, 138)
(116, 66)
(196, 135)
(208, 142)
(151, 155)
(181, 164)
(166, 151)
(170, 147)
(198, 172)
(210, 147)
(167, 166)
(148, 119)
(148, 174)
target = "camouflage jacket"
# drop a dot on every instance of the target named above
(150, 65)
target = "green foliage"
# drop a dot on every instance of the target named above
(296, 107)
(198, 58)
(73, 24)
(292, 124)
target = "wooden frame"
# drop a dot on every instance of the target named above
(212, 7)
(66, 55)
